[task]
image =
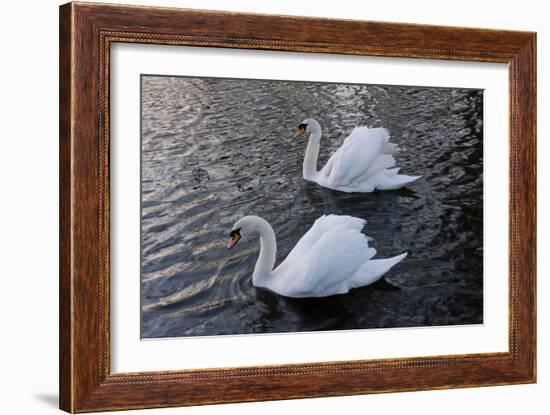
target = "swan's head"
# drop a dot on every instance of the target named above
(244, 226)
(308, 126)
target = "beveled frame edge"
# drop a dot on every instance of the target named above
(86, 33)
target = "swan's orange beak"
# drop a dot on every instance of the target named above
(234, 238)
(301, 131)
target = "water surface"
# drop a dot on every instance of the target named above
(214, 150)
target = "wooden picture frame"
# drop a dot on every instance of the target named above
(86, 33)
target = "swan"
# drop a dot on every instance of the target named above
(363, 163)
(331, 258)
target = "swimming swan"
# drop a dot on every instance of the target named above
(331, 258)
(363, 163)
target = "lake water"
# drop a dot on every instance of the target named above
(214, 150)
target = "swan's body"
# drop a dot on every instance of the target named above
(332, 258)
(363, 163)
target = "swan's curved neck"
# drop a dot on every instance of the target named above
(268, 252)
(309, 167)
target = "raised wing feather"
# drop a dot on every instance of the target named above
(326, 257)
(374, 134)
(361, 150)
(322, 225)
(335, 258)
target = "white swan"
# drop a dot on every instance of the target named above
(331, 258)
(363, 163)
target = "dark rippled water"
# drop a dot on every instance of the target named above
(214, 150)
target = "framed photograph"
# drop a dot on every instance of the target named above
(258, 207)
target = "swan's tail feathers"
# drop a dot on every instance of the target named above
(372, 270)
(390, 180)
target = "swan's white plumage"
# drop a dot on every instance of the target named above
(363, 163)
(331, 258)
